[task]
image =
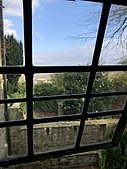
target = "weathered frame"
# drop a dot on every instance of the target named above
(29, 70)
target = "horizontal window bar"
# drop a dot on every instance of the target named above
(13, 100)
(108, 94)
(60, 69)
(13, 123)
(59, 118)
(57, 97)
(57, 153)
(106, 113)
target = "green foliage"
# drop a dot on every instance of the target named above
(72, 106)
(14, 57)
(115, 158)
(101, 85)
(76, 83)
(119, 83)
(21, 92)
(71, 83)
(46, 89)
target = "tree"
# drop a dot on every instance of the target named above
(118, 23)
(76, 83)
(71, 83)
(14, 57)
(115, 158)
(115, 30)
(101, 84)
(46, 89)
(119, 82)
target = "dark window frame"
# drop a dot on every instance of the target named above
(29, 70)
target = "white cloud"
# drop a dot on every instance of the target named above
(8, 28)
(79, 56)
(15, 7)
(70, 57)
(40, 36)
(35, 4)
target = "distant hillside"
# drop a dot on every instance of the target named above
(41, 77)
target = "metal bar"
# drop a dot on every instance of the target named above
(13, 123)
(57, 153)
(61, 69)
(97, 51)
(108, 94)
(77, 116)
(120, 127)
(27, 8)
(112, 68)
(13, 100)
(103, 114)
(59, 118)
(58, 97)
(69, 69)
(12, 70)
(2, 46)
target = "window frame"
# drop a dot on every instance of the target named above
(29, 70)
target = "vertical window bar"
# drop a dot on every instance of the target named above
(27, 5)
(120, 127)
(97, 51)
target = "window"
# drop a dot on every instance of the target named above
(29, 71)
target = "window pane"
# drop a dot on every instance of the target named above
(54, 136)
(99, 130)
(60, 29)
(114, 45)
(101, 104)
(12, 46)
(110, 82)
(60, 83)
(13, 141)
(57, 107)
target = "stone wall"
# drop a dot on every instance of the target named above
(53, 136)
(78, 161)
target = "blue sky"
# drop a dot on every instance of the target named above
(57, 26)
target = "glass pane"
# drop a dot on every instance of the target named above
(101, 104)
(99, 130)
(52, 136)
(110, 82)
(12, 46)
(60, 83)
(3, 143)
(57, 107)
(12, 111)
(16, 86)
(64, 32)
(12, 86)
(114, 46)
(13, 141)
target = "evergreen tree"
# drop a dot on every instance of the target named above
(14, 57)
